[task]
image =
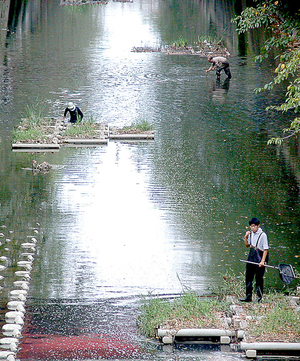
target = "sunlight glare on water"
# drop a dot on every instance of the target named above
(116, 74)
(118, 231)
(125, 28)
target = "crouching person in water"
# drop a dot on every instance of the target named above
(75, 113)
(219, 63)
(257, 240)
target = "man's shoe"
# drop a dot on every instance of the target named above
(247, 299)
(258, 300)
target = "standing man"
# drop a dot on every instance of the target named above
(75, 113)
(257, 240)
(219, 63)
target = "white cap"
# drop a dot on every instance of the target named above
(71, 106)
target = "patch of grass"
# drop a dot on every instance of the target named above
(33, 126)
(144, 126)
(86, 129)
(274, 320)
(141, 126)
(185, 310)
(21, 135)
(35, 114)
(154, 311)
(209, 39)
(190, 305)
(180, 42)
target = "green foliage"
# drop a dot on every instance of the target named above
(141, 126)
(144, 126)
(34, 113)
(270, 320)
(284, 39)
(210, 39)
(154, 311)
(180, 43)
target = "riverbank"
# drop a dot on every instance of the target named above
(203, 48)
(277, 313)
(222, 319)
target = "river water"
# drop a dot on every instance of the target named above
(119, 221)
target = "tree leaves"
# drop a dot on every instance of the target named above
(285, 39)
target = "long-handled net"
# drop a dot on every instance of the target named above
(286, 271)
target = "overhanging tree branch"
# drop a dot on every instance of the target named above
(285, 39)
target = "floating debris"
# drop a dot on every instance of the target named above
(87, 2)
(146, 49)
(82, 2)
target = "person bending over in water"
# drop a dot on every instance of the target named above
(219, 63)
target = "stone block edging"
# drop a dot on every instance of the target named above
(223, 337)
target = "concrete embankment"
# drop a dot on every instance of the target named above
(227, 337)
(236, 337)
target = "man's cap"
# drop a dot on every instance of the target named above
(71, 106)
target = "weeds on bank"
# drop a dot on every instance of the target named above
(273, 320)
(33, 126)
(141, 126)
(86, 129)
(188, 309)
(180, 43)
(209, 39)
(154, 311)
(34, 114)
(22, 135)
(202, 42)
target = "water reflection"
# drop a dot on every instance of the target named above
(106, 233)
(220, 90)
